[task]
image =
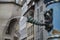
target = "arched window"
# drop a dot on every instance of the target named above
(11, 26)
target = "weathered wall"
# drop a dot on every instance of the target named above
(7, 11)
(39, 31)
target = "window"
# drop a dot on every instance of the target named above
(38, 14)
(41, 8)
(11, 26)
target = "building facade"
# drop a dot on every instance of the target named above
(39, 31)
(23, 31)
(10, 11)
(36, 10)
(30, 31)
(27, 11)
